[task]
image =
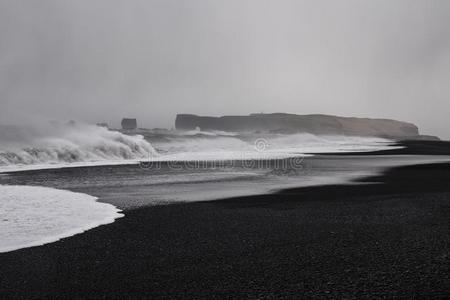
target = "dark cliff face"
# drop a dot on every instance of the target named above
(290, 123)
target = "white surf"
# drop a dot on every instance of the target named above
(34, 216)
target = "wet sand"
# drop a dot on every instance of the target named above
(389, 239)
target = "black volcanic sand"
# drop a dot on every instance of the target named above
(390, 239)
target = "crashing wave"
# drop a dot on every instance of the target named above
(269, 143)
(69, 144)
(73, 145)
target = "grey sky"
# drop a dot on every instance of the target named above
(100, 60)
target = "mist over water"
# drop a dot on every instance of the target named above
(69, 143)
(75, 144)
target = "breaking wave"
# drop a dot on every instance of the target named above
(69, 144)
(213, 146)
(83, 145)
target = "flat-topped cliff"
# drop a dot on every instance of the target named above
(291, 123)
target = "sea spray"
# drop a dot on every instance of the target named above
(69, 144)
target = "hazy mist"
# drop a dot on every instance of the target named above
(101, 60)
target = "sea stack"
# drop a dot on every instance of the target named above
(129, 124)
(102, 124)
(314, 124)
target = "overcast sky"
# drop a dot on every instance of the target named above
(100, 60)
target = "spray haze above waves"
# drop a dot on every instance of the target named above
(219, 145)
(81, 144)
(55, 144)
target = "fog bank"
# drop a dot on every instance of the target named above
(101, 60)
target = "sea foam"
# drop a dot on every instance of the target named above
(33, 216)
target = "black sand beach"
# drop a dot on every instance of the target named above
(384, 240)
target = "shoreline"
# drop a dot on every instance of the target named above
(409, 147)
(70, 214)
(367, 240)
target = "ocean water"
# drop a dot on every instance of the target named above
(56, 182)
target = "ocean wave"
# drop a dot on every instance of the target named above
(198, 132)
(310, 143)
(87, 145)
(263, 146)
(70, 144)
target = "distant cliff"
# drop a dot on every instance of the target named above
(290, 123)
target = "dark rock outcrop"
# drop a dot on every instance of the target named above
(103, 124)
(129, 124)
(290, 123)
